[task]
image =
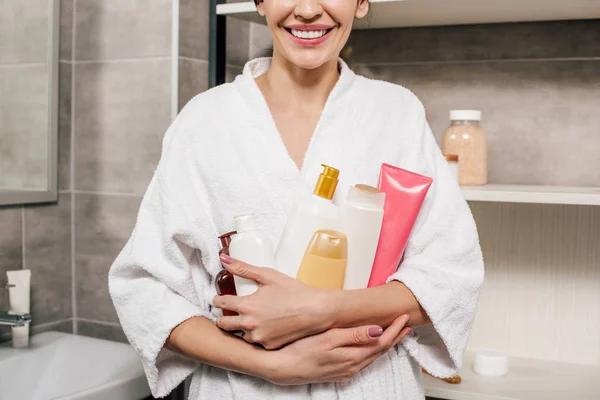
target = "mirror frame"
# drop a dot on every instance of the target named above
(16, 197)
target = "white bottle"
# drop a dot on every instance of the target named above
(250, 246)
(362, 216)
(310, 214)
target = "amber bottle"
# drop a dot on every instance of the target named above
(224, 281)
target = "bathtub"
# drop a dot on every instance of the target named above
(60, 366)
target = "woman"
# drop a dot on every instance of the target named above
(253, 146)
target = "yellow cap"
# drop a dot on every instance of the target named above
(327, 182)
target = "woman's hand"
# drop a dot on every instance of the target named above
(281, 311)
(336, 355)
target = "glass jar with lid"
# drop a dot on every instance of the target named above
(465, 138)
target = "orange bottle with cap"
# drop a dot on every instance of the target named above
(310, 214)
(324, 263)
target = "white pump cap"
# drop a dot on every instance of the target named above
(465, 115)
(245, 223)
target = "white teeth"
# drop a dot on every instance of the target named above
(308, 34)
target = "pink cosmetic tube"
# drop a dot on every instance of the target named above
(405, 192)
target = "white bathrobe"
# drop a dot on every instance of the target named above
(222, 157)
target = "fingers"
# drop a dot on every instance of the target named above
(234, 323)
(358, 336)
(391, 334)
(259, 275)
(403, 333)
(231, 303)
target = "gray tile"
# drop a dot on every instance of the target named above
(238, 41)
(103, 224)
(231, 72)
(64, 126)
(477, 42)
(101, 331)
(24, 126)
(61, 326)
(108, 29)
(48, 256)
(24, 31)
(66, 30)
(541, 117)
(193, 79)
(11, 246)
(122, 111)
(262, 42)
(193, 29)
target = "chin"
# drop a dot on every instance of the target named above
(310, 59)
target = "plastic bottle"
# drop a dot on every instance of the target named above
(224, 281)
(309, 215)
(250, 246)
(362, 216)
(324, 263)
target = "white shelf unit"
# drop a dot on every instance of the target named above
(405, 13)
(527, 379)
(533, 194)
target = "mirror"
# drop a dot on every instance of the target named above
(28, 101)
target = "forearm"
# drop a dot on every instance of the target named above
(375, 306)
(202, 340)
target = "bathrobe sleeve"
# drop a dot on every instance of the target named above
(158, 280)
(442, 265)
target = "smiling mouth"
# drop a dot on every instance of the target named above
(308, 35)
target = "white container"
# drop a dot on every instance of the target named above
(362, 215)
(250, 246)
(491, 363)
(311, 213)
(19, 298)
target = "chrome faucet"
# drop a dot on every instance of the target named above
(12, 318)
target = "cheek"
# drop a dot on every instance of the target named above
(276, 11)
(342, 11)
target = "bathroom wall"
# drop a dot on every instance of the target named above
(538, 85)
(115, 105)
(244, 42)
(35, 237)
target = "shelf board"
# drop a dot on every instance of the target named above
(527, 379)
(405, 13)
(533, 194)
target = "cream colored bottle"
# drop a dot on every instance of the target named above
(324, 263)
(466, 139)
(310, 214)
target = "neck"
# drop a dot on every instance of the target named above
(301, 86)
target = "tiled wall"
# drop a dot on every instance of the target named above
(538, 85)
(244, 42)
(36, 237)
(115, 105)
(120, 58)
(24, 74)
